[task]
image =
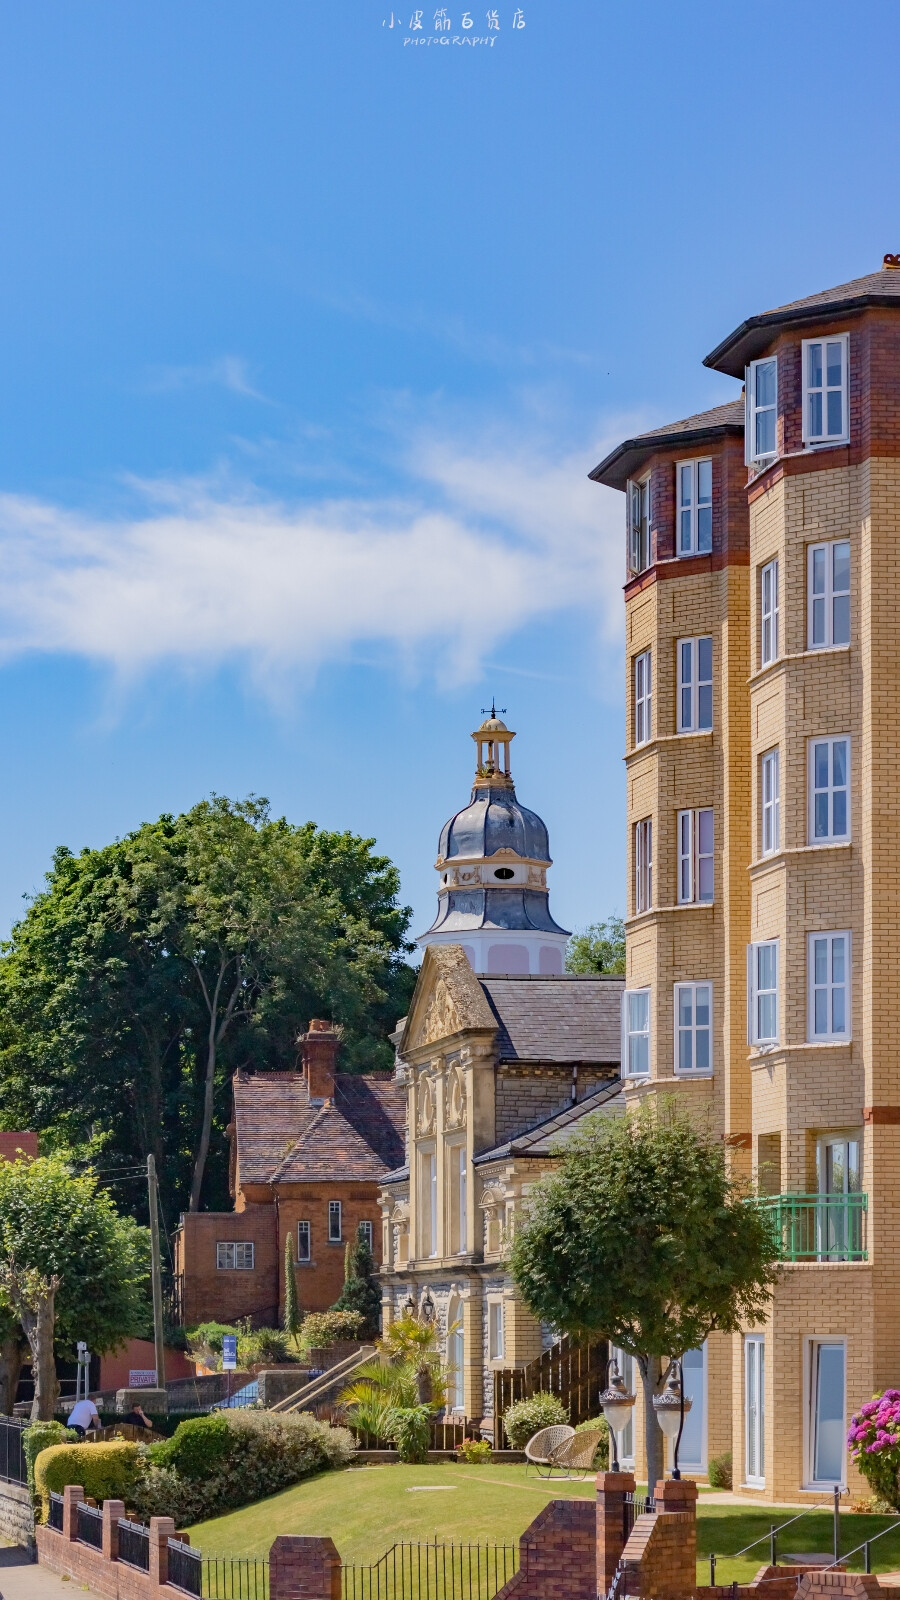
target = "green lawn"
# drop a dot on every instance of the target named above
(367, 1509)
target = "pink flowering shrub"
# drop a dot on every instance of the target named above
(874, 1442)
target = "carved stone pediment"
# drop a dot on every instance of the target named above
(456, 1098)
(448, 1000)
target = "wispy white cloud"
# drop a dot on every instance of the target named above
(485, 540)
(225, 372)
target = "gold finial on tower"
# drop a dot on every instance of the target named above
(492, 742)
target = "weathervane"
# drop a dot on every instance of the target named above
(493, 710)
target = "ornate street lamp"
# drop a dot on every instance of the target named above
(616, 1404)
(409, 1306)
(671, 1407)
(427, 1306)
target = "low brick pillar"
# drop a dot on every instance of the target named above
(557, 1555)
(162, 1529)
(840, 1586)
(661, 1554)
(612, 1488)
(303, 1567)
(112, 1511)
(72, 1493)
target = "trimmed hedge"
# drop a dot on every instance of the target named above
(524, 1419)
(40, 1436)
(106, 1471)
(196, 1448)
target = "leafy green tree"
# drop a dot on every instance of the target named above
(642, 1236)
(292, 1318)
(600, 947)
(147, 971)
(70, 1267)
(361, 1291)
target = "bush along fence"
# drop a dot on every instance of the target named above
(574, 1550)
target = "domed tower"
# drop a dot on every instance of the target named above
(493, 859)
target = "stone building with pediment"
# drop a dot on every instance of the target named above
(499, 1071)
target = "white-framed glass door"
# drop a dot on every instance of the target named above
(838, 1163)
(755, 1410)
(692, 1452)
(827, 1427)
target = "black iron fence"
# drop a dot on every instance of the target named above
(185, 1567)
(13, 1468)
(89, 1523)
(134, 1544)
(433, 1572)
(635, 1505)
(235, 1578)
(55, 1519)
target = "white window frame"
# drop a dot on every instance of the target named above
(693, 1030)
(304, 1231)
(824, 389)
(755, 1426)
(368, 1231)
(829, 986)
(770, 797)
(640, 1035)
(826, 596)
(690, 683)
(643, 865)
(643, 698)
(693, 477)
(755, 994)
(768, 613)
(335, 1211)
(637, 500)
(830, 789)
(814, 1344)
(235, 1255)
(754, 410)
(496, 1330)
(691, 859)
(699, 1406)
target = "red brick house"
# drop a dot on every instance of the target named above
(309, 1150)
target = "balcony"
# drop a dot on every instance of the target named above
(818, 1227)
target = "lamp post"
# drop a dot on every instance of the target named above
(409, 1306)
(616, 1404)
(427, 1306)
(671, 1407)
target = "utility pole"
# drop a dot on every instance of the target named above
(156, 1275)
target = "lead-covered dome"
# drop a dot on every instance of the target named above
(494, 820)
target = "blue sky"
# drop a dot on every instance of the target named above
(309, 339)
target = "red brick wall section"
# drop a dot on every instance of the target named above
(557, 1554)
(661, 1554)
(840, 1586)
(304, 1568)
(15, 1145)
(612, 1488)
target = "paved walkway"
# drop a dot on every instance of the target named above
(22, 1579)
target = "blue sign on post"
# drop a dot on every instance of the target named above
(229, 1352)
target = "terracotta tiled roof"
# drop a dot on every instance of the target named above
(750, 337)
(281, 1138)
(629, 456)
(565, 1019)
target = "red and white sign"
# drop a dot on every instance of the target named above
(142, 1378)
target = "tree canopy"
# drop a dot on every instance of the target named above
(70, 1266)
(600, 947)
(642, 1236)
(148, 970)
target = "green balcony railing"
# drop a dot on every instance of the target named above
(818, 1227)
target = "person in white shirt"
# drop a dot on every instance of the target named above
(83, 1415)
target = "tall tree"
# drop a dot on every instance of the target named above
(70, 1267)
(600, 947)
(643, 1236)
(361, 1291)
(148, 970)
(292, 1318)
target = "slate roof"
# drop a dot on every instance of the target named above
(281, 1138)
(568, 1019)
(629, 456)
(750, 337)
(547, 1136)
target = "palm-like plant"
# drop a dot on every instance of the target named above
(407, 1376)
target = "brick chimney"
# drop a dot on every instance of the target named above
(318, 1054)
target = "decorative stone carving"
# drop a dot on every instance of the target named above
(442, 1017)
(456, 1098)
(427, 1105)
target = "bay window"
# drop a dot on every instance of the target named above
(694, 479)
(829, 790)
(762, 410)
(762, 992)
(770, 774)
(768, 604)
(643, 698)
(636, 1015)
(693, 1029)
(828, 966)
(695, 856)
(695, 677)
(829, 594)
(638, 498)
(643, 865)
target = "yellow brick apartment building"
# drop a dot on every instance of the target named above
(763, 792)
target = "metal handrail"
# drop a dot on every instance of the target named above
(318, 1387)
(864, 1546)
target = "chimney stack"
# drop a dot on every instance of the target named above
(318, 1054)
